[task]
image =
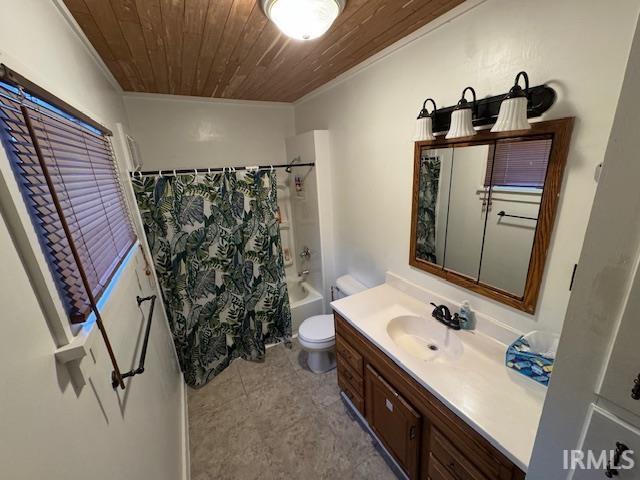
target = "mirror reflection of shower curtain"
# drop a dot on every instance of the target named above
(427, 206)
(217, 252)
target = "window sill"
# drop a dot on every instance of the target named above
(80, 345)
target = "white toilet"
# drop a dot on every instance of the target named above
(317, 334)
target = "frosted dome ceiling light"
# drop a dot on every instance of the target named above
(303, 19)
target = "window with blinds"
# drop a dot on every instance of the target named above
(518, 164)
(43, 141)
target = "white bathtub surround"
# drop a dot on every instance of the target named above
(471, 379)
(313, 210)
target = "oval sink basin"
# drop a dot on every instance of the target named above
(424, 338)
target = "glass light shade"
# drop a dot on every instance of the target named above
(424, 130)
(512, 116)
(303, 19)
(461, 124)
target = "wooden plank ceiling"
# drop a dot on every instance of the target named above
(228, 48)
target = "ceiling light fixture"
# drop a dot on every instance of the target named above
(303, 19)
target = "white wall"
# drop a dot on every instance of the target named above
(603, 285)
(187, 132)
(52, 427)
(578, 47)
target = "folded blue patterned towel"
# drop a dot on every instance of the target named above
(520, 358)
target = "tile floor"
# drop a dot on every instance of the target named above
(277, 420)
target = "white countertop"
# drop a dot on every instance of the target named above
(499, 403)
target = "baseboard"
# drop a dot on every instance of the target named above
(186, 458)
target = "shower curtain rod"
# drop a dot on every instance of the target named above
(206, 171)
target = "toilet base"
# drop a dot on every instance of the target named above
(321, 362)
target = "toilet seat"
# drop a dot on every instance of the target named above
(317, 332)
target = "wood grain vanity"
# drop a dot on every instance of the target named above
(426, 439)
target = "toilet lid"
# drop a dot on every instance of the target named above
(318, 328)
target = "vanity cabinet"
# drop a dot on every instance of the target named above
(427, 440)
(394, 420)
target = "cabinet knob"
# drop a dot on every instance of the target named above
(635, 391)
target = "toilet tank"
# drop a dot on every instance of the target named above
(347, 285)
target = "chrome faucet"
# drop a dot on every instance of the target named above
(306, 253)
(443, 315)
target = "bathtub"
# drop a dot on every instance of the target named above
(305, 302)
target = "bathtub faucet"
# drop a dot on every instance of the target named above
(306, 253)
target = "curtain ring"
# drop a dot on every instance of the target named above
(209, 171)
(160, 172)
(271, 168)
(195, 172)
(174, 172)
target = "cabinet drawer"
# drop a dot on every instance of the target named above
(347, 373)
(350, 392)
(437, 470)
(350, 355)
(452, 460)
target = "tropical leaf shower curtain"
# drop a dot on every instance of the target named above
(427, 202)
(216, 247)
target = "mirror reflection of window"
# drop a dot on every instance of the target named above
(433, 204)
(467, 208)
(516, 180)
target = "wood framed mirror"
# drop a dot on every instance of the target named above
(484, 209)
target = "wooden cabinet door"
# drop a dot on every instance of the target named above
(394, 420)
(603, 434)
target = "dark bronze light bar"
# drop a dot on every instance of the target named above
(487, 109)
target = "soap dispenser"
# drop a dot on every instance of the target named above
(467, 317)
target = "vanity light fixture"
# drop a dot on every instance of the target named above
(303, 19)
(424, 125)
(513, 109)
(462, 117)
